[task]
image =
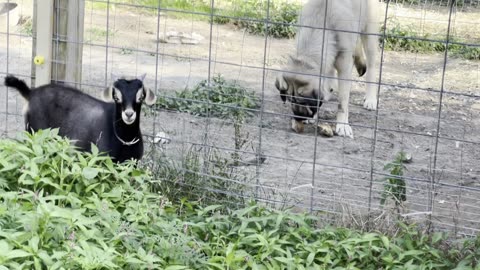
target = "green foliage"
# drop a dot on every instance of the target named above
(26, 26)
(222, 98)
(126, 51)
(395, 186)
(62, 209)
(247, 14)
(281, 17)
(405, 38)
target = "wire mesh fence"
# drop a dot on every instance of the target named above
(220, 132)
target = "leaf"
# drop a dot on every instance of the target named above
(176, 267)
(385, 241)
(89, 173)
(94, 149)
(210, 208)
(33, 243)
(310, 258)
(437, 237)
(16, 253)
(284, 260)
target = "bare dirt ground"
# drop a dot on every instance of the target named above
(410, 116)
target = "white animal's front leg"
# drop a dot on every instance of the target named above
(370, 44)
(344, 64)
(343, 129)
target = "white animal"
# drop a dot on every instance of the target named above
(329, 44)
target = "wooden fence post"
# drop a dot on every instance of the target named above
(68, 41)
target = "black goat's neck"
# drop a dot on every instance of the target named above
(127, 133)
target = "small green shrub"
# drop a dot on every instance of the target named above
(395, 186)
(222, 98)
(282, 16)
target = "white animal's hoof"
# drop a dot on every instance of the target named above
(370, 104)
(344, 130)
(161, 138)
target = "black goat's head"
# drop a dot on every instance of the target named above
(128, 95)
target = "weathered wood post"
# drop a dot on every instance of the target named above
(59, 41)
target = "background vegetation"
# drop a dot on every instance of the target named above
(251, 15)
(62, 209)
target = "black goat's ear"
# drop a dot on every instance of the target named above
(142, 77)
(150, 97)
(115, 77)
(107, 94)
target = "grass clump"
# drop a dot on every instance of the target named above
(63, 209)
(203, 176)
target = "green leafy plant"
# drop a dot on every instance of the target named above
(220, 98)
(395, 186)
(64, 209)
(281, 17)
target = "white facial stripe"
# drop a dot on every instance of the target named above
(140, 95)
(130, 118)
(118, 94)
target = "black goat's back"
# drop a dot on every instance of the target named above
(79, 117)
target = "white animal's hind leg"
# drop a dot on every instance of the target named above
(370, 44)
(344, 65)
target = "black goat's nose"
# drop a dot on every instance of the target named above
(129, 114)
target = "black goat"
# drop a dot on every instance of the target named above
(113, 127)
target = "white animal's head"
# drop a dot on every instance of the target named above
(128, 94)
(303, 86)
